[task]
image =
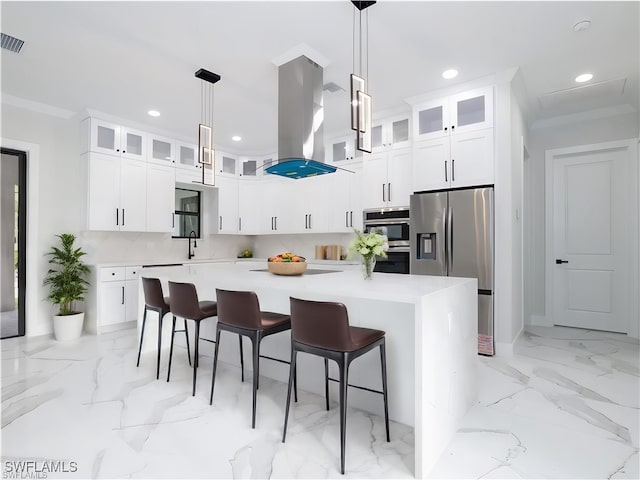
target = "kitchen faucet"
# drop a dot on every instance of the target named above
(195, 244)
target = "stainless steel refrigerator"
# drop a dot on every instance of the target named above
(451, 233)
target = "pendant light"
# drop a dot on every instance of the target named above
(360, 99)
(205, 128)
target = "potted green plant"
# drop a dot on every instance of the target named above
(66, 286)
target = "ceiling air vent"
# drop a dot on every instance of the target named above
(332, 87)
(11, 43)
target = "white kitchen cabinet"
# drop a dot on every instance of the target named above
(461, 113)
(112, 302)
(345, 202)
(249, 166)
(113, 139)
(249, 205)
(307, 203)
(160, 198)
(188, 170)
(162, 150)
(227, 204)
(386, 179)
(276, 205)
(116, 193)
(459, 160)
(391, 132)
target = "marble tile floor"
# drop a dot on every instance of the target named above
(566, 405)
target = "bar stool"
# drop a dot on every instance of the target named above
(183, 302)
(155, 301)
(239, 312)
(322, 328)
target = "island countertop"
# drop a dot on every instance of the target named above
(430, 324)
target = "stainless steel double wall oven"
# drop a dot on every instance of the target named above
(394, 223)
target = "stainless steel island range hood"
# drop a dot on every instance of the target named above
(300, 120)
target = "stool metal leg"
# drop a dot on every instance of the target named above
(159, 344)
(255, 340)
(195, 359)
(144, 321)
(186, 336)
(215, 365)
(383, 362)
(173, 333)
(292, 368)
(241, 357)
(344, 381)
(295, 384)
(326, 382)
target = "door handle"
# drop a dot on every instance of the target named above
(117, 216)
(351, 218)
(560, 262)
(123, 217)
(275, 222)
(453, 170)
(239, 224)
(383, 199)
(389, 191)
(445, 171)
(306, 221)
(309, 221)
(122, 295)
(346, 219)
(220, 222)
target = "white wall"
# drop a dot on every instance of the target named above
(559, 135)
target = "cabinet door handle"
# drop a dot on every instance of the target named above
(239, 224)
(445, 129)
(122, 295)
(383, 199)
(309, 221)
(346, 219)
(220, 222)
(389, 191)
(275, 219)
(117, 216)
(351, 218)
(123, 217)
(453, 170)
(445, 171)
(306, 222)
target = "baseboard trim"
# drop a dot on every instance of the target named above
(540, 321)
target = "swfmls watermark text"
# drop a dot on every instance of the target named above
(37, 469)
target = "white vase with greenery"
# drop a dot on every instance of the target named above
(369, 246)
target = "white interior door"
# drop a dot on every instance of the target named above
(590, 254)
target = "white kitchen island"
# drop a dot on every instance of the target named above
(430, 325)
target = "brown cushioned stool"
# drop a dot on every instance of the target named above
(322, 328)
(239, 312)
(155, 301)
(183, 301)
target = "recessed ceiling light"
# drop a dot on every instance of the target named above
(585, 77)
(153, 113)
(449, 74)
(236, 138)
(581, 26)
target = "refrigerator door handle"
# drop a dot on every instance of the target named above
(445, 222)
(450, 245)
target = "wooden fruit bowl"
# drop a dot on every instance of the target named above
(287, 268)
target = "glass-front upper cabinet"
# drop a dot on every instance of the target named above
(472, 110)
(161, 150)
(113, 139)
(265, 163)
(391, 132)
(343, 150)
(226, 163)
(249, 166)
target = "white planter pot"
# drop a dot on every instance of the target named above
(68, 327)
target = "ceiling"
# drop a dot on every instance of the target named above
(124, 58)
